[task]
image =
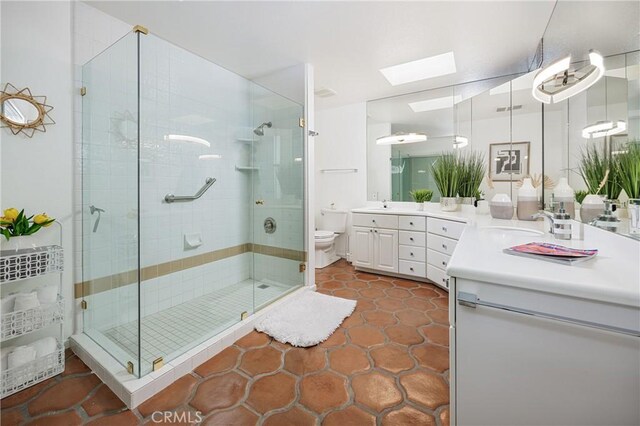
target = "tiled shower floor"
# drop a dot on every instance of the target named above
(168, 332)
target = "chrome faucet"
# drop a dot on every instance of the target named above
(546, 215)
(384, 204)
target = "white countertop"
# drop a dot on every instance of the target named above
(612, 276)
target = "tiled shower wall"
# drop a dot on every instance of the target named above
(181, 94)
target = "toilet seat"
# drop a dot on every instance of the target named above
(324, 235)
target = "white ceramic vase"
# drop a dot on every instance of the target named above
(448, 204)
(420, 207)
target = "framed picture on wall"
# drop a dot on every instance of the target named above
(508, 161)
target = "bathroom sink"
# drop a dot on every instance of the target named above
(514, 230)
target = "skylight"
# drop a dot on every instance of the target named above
(421, 69)
(436, 103)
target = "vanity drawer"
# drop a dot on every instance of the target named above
(415, 254)
(438, 276)
(446, 228)
(437, 259)
(417, 269)
(389, 221)
(441, 244)
(409, 238)
(412, 223)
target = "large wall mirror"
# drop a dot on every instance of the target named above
(497, 118)
(575, 148)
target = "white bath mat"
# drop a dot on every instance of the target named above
(306, 320)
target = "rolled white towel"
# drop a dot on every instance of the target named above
(7, 303)
(44, 346)
(26, 301)
(4, 355)
(48, 294)
(20, 356)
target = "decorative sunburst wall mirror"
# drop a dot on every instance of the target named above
(20, 111)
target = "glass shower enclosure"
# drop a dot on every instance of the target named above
(192, 195)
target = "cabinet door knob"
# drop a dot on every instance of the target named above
(411, 238)
(410, 223)
(375, 231)
(444, 246)
(370, 230)
(373, 220)
(411, 269)
(444, 263)
(444, 228)
(411, 254)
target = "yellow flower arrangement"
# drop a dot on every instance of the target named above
(15, 223)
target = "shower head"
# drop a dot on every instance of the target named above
(260, 129)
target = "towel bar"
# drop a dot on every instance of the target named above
(470, 300)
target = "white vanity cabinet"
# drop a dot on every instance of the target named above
(442, 237)
(526, 357)
(375, 242)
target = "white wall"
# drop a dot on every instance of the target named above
(37, 173)
(341, 144)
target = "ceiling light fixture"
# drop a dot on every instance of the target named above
(435, 103)
(421, 69)
(604, 128)
(460, 142)
(400, 138)
(556, 82)
(185, 138)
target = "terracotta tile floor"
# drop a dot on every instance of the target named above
(387, 364)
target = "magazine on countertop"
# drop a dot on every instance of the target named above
(552, 253)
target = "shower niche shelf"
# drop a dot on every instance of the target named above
(247, 168)
(246, 140)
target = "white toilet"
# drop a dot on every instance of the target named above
(333, 222)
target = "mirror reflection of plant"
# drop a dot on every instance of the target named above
(446, 174)
(596, 167)
(628, 169)
(580, 195)
(16, 224)
(421, 195)
(472, 169)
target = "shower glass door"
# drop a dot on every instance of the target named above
(110, 201)
(277, 160)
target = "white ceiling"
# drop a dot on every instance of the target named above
(348, 42)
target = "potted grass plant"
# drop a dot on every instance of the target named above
(446, 173)
(596, 167)
(628, 172)
(421, 196)
(471, 168)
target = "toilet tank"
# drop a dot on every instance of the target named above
(333, 220)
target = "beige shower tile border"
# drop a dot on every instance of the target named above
(111, 282)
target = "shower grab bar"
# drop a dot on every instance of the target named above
(470, 300)
(170, 198)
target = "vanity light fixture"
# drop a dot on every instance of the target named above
(185, 138)
(400, 138)
(604, 128)
(556, 82)
(209, 156)
(433, 66)
(460, 142)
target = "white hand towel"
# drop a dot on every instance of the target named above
(48, 294)
(6, 305)
(44, 347)
(4, 355)
(26, 301)
(20, 356)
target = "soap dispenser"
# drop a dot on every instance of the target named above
(527, 200)
(562, 223)
(564, 193)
